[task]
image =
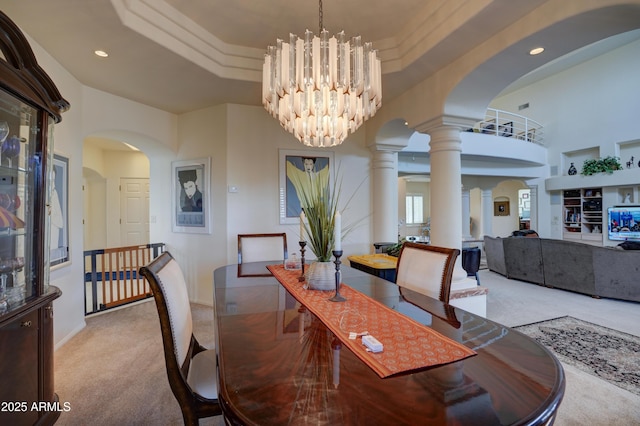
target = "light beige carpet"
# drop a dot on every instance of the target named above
(113, 373)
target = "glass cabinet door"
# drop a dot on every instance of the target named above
(20, 162)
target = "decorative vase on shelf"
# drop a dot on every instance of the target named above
(4, 131)
(321, 276)
(572, 170)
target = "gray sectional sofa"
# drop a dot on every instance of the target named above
(596, 271)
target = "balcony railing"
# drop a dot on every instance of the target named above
(510, 125)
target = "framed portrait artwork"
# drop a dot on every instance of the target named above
(311, 163)
(501, 208)
(59, 216)
(191, 212)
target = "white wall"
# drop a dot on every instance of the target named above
(243, 143)
(95, 212)
(254, 141)
(103, 170)
(69, 308)
(592, 105)
(475, 210)
(94, 112)
(201, 134)
(503, 226)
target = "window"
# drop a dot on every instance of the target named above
(524, 203)
(414, 213)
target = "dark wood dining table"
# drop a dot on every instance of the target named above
(278, 364)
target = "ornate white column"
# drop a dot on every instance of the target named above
(487, 212)
(466, 214)
(384, 172)
(446, 195)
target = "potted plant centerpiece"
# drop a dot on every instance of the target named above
(319, 203)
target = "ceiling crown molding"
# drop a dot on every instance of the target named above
(162, 23)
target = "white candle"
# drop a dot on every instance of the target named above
(302, 218)
(337, 223)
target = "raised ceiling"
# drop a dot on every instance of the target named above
(183, 55)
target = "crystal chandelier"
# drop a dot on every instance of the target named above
(320, 88)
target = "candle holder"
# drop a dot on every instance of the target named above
(337, 297)
(302, 246)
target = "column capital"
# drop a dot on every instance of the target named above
(384, 159)
(393, 145)
(445, 138)
(460, 123)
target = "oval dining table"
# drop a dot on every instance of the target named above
(279, 365)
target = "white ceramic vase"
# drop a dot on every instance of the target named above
(321, 276)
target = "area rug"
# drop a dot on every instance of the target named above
(611, 355)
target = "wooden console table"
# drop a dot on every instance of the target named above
(379, 265)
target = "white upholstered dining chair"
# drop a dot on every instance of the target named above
(191, 368)
(426, 269)
(261, 247)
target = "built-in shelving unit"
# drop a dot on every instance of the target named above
(583, 215)
(572, 202)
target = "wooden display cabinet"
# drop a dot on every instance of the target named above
(30, 105)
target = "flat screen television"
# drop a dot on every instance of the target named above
(624, 222)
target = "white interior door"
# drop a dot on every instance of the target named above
(134, 211)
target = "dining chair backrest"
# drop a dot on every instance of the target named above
(261, 247)
(426, 269)
(191, 368)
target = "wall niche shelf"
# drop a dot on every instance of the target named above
(629, 154)
(626, 195)
(577, 158)
(622, 178)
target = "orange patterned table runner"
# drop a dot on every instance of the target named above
(408, 345)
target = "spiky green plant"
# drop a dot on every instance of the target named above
(320, 203)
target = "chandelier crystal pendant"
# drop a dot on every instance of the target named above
(321, 88)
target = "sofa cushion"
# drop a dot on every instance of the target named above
(523, 259)
(494, 253)
(568, 265)
(616, 273)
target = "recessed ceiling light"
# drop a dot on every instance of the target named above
(101, 53)
(536, 51)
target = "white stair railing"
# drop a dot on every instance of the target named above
(510, 125)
